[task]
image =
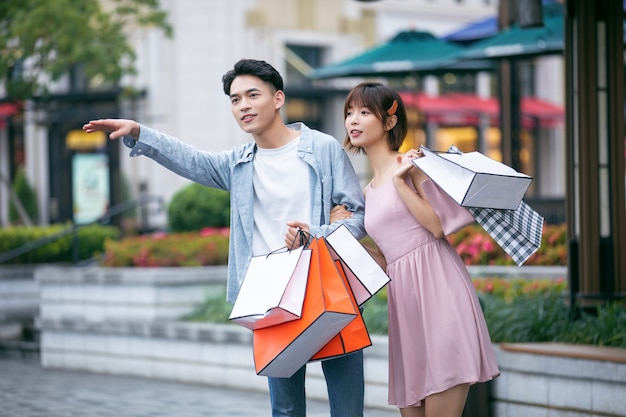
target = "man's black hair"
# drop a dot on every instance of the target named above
(260, 69)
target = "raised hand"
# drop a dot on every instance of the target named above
(404, 162)
(115, 127)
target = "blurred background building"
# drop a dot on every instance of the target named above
(178, 90)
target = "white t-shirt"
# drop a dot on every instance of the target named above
(281, 194)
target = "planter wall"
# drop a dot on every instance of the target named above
(125, 321)
(95, 294)
(555, 379)
(19, 302)
(19, 295)
(526, 272)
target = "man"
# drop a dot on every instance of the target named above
(289, 178)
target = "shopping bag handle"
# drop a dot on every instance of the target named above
(451, 149)
(303, 236)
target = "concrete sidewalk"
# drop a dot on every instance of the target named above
(29, 390)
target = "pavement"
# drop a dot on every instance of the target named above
(29, 390)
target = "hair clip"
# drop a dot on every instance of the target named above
(393, 108)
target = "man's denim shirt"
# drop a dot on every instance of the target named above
(332, 181)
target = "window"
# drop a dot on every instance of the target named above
(304, 103)
(300, 59)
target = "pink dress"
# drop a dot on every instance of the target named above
(438, 337)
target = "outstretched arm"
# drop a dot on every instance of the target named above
(116, 128)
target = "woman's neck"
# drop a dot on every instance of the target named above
(383, 162)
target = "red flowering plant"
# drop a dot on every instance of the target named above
(207, 247)
(476, 247)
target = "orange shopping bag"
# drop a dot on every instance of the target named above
(352, 338)
(280, 350)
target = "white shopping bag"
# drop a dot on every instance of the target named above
(473, 179)
(273, 289)
(364, 274)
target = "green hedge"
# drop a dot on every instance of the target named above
(91, 241)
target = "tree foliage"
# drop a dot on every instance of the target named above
(43, 40)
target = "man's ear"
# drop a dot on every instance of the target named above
(279, 99)
(391, 122)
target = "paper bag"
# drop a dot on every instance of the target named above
(473, 179)
(364, 274)
(452, 216)
(280, 350)
(273, 288)
(352, 338)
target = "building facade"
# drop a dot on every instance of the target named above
(181, 93)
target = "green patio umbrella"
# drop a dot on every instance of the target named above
(519, 42)
(406, 53)
(522, 42)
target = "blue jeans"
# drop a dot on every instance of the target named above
(344, 382)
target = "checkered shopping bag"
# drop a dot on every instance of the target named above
(517, 231)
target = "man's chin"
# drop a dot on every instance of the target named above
(248, 128)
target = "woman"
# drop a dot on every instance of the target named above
(438, 340)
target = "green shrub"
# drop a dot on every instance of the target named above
(196, 207)
(375, 313)
(546, 318)
(522, 311)
(527, 317)
(209, 247)
(606, 326)
(91, 240)
(27, 196)
(215, 309)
